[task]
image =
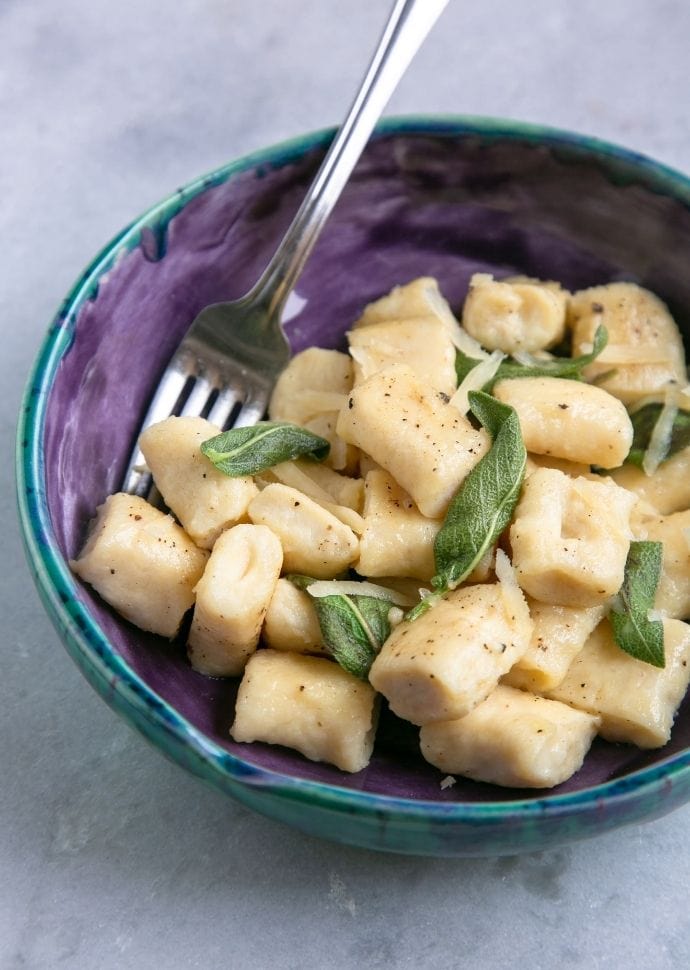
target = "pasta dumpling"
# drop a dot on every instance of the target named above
(458, 552)
(426, 445)
(441, 665)
(232, 597)
(570, 538)
(204, 499)
(310, 392)
(645, 350)
(309, 704)
(515, 314)
(513, 738)
(635, 701)
(568, 419)
(314, 541)
(142, 563)
(397, 540)
(423, 344)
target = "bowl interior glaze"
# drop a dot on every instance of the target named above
(429, 197)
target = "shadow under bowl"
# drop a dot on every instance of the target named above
(443, 197)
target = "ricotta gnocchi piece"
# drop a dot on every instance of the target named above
(414, 433)
(515, 314)
(204, 500)
(309, 704)
(232, 598)
(645, 349)
(513, 738)
(142, 563)
(441, 665)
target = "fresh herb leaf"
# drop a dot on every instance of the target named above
(248, 451)
(483, 505)
(633, 631)
(644, 421)
(353, 627)
(299, 580)
(568, 367)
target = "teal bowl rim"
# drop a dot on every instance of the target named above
(114, 679)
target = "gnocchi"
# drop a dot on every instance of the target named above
(513, 738)
(515, 314)
(645, 350)
(462, 555)
(314, 541)
(142, 563)
(440, 666)
(396, 539)
(307, 703)
(570, 538)
(635, 701)
(205, 501)
(415, 434)
(232, 597)
(569, 420)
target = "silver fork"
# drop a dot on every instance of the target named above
(230, 358)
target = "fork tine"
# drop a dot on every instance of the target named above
(153, 496)
(166, 397)
(224, 405)
(137, 479)
(253, 408)
(198, 397)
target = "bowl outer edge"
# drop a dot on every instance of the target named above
(117, 682)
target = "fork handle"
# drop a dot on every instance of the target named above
(408, 25)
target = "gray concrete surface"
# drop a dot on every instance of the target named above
(110, 856)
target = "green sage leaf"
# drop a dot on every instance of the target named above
(484, 504)
(248, 451)
(299, 580)
(566, 367)
(633, 631)
(353, 627)
(644, 421)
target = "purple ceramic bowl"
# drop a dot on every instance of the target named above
(438, 197)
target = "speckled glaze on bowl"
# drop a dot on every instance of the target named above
(436, 196)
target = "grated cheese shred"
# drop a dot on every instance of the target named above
(347, 587)
(511, 593)
(476, 379)
(464, 342)
(660, 440)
